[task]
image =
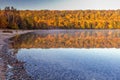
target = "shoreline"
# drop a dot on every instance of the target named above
(7, 62)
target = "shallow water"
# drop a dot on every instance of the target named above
(70, 55)
(71, 64)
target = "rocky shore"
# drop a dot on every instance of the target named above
(10, 67)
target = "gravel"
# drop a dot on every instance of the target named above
(11, 68)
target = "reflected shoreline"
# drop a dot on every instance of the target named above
(68, 39)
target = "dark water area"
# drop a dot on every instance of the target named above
(69, 54)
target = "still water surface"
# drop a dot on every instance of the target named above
(70, 54)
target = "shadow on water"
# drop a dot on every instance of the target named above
(69, 54)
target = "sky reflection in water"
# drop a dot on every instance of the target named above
(71, 63)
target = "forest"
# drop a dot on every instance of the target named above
(11, 18)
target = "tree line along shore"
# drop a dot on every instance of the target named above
(11, 18)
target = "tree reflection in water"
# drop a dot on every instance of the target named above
(68, 39)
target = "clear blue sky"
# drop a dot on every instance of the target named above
(61, 4)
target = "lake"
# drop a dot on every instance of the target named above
(69, 54)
